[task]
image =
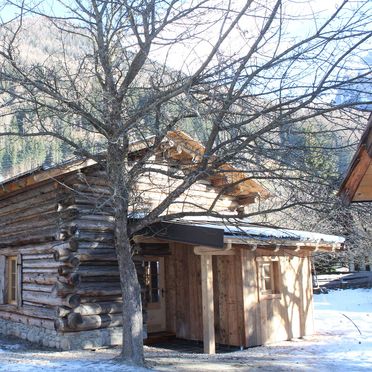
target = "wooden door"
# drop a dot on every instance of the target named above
(155, 294)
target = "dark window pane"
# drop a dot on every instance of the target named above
(155, 295)
(268, 284)
(266, 268)
(152, 281)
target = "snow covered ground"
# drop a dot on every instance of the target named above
(343, 320)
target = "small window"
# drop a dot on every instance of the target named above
(268, 277)
(11, 277)
(267, 285)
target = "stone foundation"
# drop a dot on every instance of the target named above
(63, 341)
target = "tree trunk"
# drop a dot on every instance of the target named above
(132, 349)
(132, 306)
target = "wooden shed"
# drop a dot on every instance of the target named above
(357, 185)
(201, 280)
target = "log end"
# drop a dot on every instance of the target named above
(60, 325)
(74, 319)
(73, 300)
(73, 244)
(62, 311)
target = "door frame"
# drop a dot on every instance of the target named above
(156, 311)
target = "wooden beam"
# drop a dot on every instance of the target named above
(41, 175)
(226, 251)
(284, 244)
(2, 279)
(208, 304)
(148, 240)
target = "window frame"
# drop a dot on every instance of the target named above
(149, 288)
(11, 281)
(6, 282)
(274, 292)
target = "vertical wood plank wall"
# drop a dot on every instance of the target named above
(283, 317)
(229, 320)
(241, 316)
(183, 293)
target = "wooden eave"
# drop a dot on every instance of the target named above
(41, 175)
(215, 238)
(277, 244)
(357, 185)
(235, 183)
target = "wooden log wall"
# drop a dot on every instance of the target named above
(29, 230)
(152, 188)
(91, 271)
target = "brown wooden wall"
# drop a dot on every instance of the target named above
(63, 234)
(228, 300)
(183, 291)
(242, 316)
(282, 317)
(64, 237)
(29, 230)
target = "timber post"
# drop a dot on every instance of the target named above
(208, 305)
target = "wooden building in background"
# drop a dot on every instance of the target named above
(357, 185)
(201, 280)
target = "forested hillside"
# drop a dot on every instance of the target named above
(18, 154)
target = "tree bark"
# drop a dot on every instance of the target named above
(132, 348)
(132, 306)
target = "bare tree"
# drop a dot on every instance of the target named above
(247, 74)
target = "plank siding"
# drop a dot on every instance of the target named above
(229, 300)
(251, 305)
(286, 315)
(170, 290)
(184, 308)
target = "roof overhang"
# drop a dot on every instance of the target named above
(357, 185)
(218, 236)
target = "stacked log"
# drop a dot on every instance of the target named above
(65, 233)
(28, 217)
(29, 223)
(89, 316)
(41, 275)
(85, 220)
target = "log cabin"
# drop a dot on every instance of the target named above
(201, 279)
(357, 185)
